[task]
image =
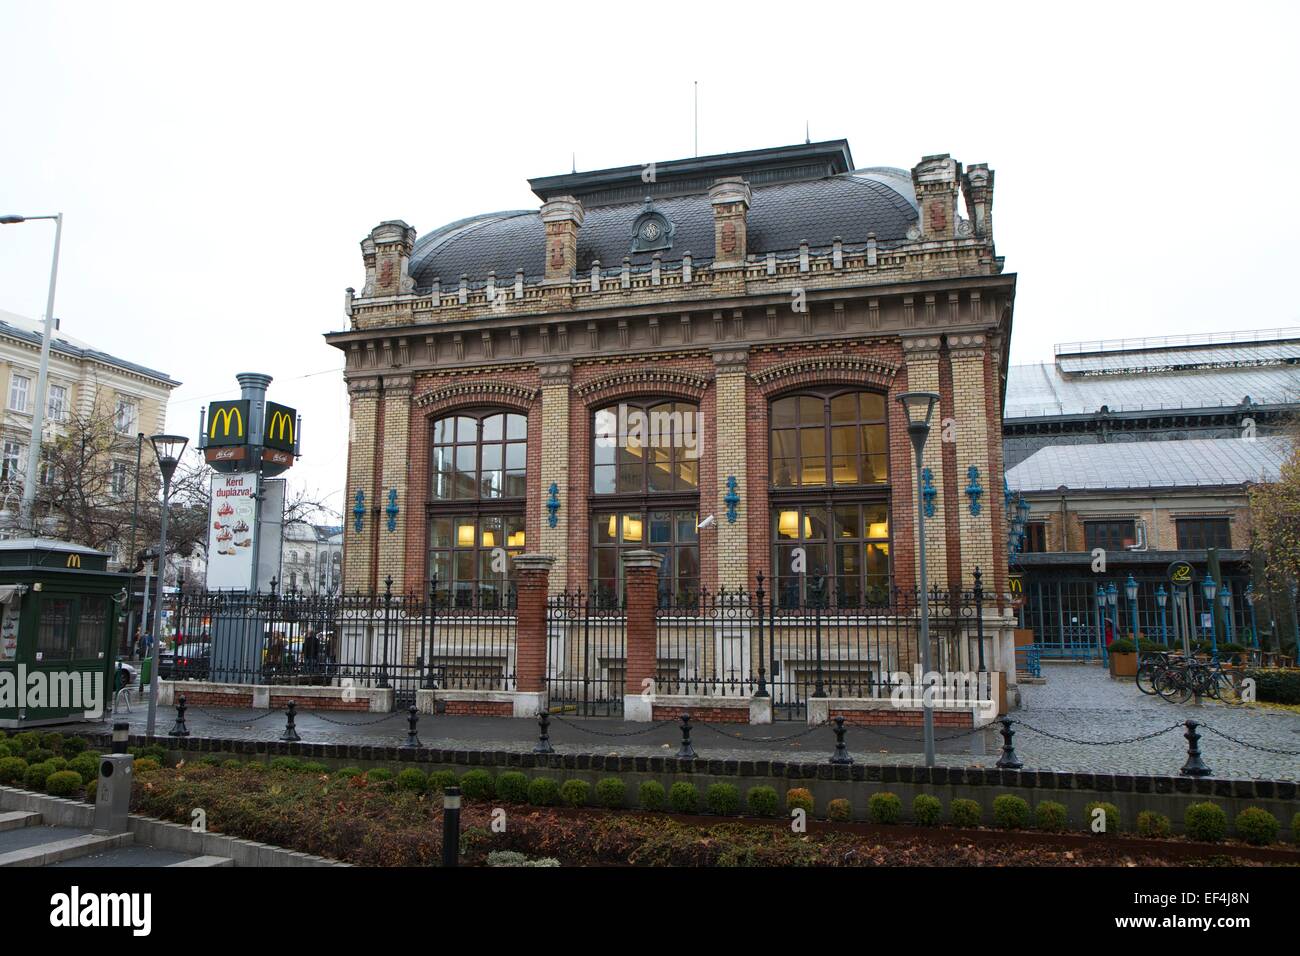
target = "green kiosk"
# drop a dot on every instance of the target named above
(58, 617)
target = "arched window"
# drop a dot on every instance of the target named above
(476, 504)
(645, 476)
(830, 497)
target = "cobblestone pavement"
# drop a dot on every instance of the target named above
(1078, 701)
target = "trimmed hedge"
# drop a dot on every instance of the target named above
(652, 795)
(1256, 826)
(683, 797)
(762, 801)
(477, 785)
(412, 780)
(1109, 817)
(1051, 816)
(884, 807)
(926, 810)
(64, 783)
(379, 775)
(85, 765)
(839, 810)
(722, 799)
(965, 813)
(1153, 825)
(1275, 685)
(1010, 812)
(347, 773)
(799, 798)
(12, 769)
(512, 787)
(575, 793)
(1205, 822)
(440, 780)
(146, 765)
(543, 792)
(611, 792)
(35, 775)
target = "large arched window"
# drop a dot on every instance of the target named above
(645, 494)
(476, 504)
(830, 497)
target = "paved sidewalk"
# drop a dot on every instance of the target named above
(1078, 701)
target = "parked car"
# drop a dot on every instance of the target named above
(186, 662)
(126, 676)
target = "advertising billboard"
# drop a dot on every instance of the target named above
(232, 521)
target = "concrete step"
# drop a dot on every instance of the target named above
(206, 861)
(17, 819)
(59, 850)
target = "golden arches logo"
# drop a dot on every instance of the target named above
(283, 421)
(225, 415)
(74, 561)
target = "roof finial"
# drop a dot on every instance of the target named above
(807, 138)
(573, 157)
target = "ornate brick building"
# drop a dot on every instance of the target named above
(764, 308)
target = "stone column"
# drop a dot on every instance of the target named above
(358, 572)
(730, 448)
(556, 382)
(922, 356)
(531, 574)
(641, 584)
(394, 461)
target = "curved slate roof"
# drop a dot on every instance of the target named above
(878, 200)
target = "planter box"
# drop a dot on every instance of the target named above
(1123, 665)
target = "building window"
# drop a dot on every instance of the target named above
(476, 505)
(118, 478)
(645, 461)
(20, 388)
(56, 407)
(837, 555)
(1197, 534)
(1109, 535)
(11, 461)
(49, 470)
(830, 528)
(1035, 537)
(125, 416)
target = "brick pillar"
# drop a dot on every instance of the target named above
(556, 380)
(358, 572)
(562, 218)
(641, 583)
(392, 467)
(386, 253)
(922, 355)
(532, 572)
(972, 433)
(731, 450)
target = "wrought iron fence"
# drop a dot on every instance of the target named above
(586, 654)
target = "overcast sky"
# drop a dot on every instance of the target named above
(217, 164)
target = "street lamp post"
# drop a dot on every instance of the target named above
(1209, 588)
(1162, 599)
(1225, 602)
(1101, 616)
(1112, 601)
(169, 449)
(1254, 622)
(31, 479)
(919, 407)
(1131, 592)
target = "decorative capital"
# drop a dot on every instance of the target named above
(555, 373)
(731, 358)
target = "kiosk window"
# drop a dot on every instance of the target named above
(54, 636)
(91, 624)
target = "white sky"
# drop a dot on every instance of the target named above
(218, 164)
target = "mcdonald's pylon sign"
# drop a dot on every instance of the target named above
(281, 427)
(228, 423)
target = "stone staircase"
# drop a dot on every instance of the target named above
(27, 840)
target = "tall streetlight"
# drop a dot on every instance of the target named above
(169, 449)
(1112, 601)
(1131, 592)
(919, 407)
(1225, 602)
(1101, 619)
(1162, 598)
(1254, 622)
(38, 412)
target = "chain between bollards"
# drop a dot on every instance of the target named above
(1195, 766)
(179, 729)
(686, 751)
(412, 722)
(1008, 760)
(290, 731)
(841, 755)
(543, 745)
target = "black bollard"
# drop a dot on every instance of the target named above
(1195, 766)
(1008, 760)
(543, 733)
(290, 731)
(179, 729)
(686, 750)
(841, 755)
(451, 826)
(412, 721)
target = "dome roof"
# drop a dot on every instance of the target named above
(850, 205)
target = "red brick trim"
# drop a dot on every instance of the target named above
(211, 699)
(824, 370)
(480, 708)
(360, 705)
(440, 400)
(904, 718)
(666, 382)
(712, 715)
